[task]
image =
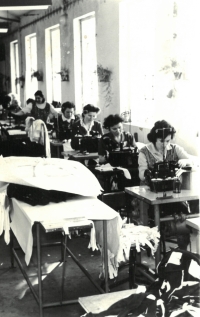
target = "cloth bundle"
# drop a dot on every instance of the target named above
(174, 293)
(37, 132)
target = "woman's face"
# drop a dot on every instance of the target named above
(116, 129)
(90, 116)
(38, 99)
(68, 113)
(160, 144)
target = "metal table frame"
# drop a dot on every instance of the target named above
(156, 199)
(39, 296)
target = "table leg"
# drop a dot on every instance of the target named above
(144, 212)
(157, 223)
(198, 242)
(105, 255)
(39, 269)
(11, 248)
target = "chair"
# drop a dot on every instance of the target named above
(118, 201)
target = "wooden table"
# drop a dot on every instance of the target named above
(99, 303)
(144, 194)
(194, 223)
(53, 216)
(80, 157)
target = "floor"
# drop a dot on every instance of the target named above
(16, 300)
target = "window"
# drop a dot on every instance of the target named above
(137, 69)
(31, 65)
(53, 62)
(85, 63)
(14, 62)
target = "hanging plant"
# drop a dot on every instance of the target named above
(64, 73)
(104, 74)
(173, 67)
(20, 80)
(38, 74)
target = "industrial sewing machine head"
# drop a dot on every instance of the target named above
(126, 157)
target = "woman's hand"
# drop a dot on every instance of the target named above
(102, 159)
(184, 162)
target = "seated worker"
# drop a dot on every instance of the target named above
(86, 125)
(66, 120)
(159, 148)
(39, 109)
(116, 136)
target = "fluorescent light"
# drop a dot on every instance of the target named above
(42, 7)
(24, 4)
(4, 27)
(3, 30)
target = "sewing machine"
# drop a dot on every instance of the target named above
(125, 157)
(161, 177)
(87, 143)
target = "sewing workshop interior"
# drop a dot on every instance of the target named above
(99, 158)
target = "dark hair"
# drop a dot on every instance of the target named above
(66, 105)
(161, 129)
(112, 120)
(40, 94)
(30, 100)
(90, 108)
(6, 101)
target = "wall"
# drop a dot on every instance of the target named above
(107, 48)
(107, 42)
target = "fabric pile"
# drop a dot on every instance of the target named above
(108, 167)
(176, 292)
(137, 236)
(121, 237)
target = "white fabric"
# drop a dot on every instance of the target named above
(50, 173)
(23, 217)
(37, 132)
(66, 119)
(108, 167)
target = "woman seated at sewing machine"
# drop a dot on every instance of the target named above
(40, 109)
(160, 149)
(86, 125)
(115, 138)
(65, 121)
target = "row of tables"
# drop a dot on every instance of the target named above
(143, 193)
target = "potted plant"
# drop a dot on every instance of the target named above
(64, 73)
(20, 80)
(38, 74)
(103, 73)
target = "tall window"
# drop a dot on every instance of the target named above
(31, 65)
(53, 62)
(137, 69)
(14, 62)
(85, 61)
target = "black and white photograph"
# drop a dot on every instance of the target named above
(99, 158)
